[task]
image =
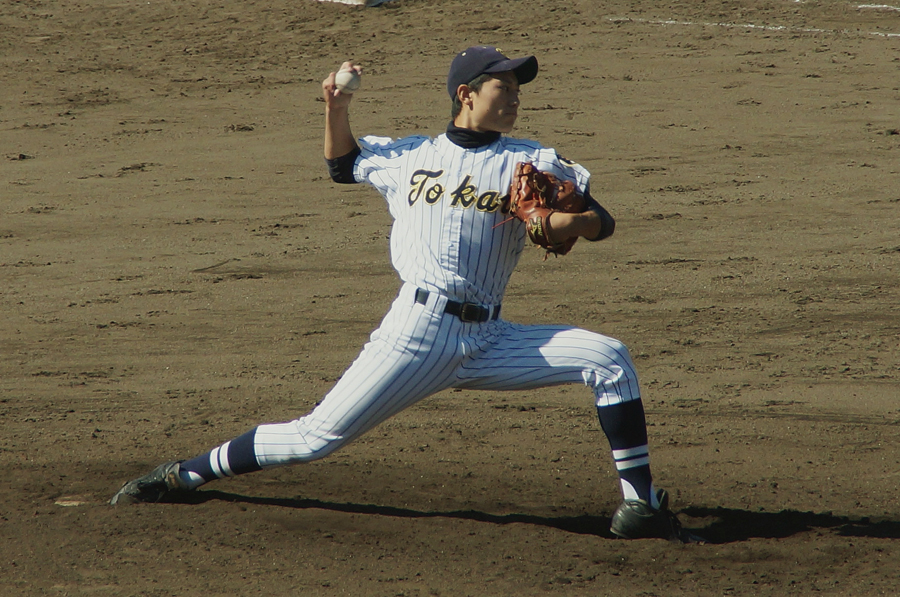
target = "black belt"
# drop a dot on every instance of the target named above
(467, 312)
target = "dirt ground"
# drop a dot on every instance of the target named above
(177, 267)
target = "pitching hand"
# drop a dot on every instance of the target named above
(333, 96)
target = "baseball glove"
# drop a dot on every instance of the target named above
(534, 195)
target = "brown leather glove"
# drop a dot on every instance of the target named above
(534, 195)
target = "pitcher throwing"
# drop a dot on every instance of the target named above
(456, 239)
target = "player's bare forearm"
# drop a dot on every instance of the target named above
(564, 226)
(339, 139)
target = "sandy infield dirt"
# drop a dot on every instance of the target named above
(177, 267)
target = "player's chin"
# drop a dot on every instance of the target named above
(506, 125)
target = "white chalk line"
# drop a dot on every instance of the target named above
(748, 26)
(878, 7)
(863, 6)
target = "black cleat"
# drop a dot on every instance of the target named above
(636, 519)
(152, 486)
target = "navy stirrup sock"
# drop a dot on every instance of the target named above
(231, 458)
(626, 429)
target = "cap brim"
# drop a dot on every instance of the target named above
(526, 69)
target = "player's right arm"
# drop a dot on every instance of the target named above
(339, 139)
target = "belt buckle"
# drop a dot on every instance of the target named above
(471, 313)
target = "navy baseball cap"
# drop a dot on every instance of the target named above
(480, 60)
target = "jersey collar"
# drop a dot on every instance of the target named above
(470, 139)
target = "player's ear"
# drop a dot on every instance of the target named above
(464, 94)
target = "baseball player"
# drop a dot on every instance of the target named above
(454, 249)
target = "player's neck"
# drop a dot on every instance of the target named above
(469, 138)
(467, 119)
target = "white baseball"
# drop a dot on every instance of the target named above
(347, 81)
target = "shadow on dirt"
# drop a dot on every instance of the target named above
(721, 525)
(584, 525)
(731, 525)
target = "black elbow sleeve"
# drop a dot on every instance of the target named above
(341, 169)
(607, 222)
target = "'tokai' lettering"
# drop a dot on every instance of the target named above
(465, 193)
(423, 183)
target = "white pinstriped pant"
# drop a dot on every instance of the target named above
(419, 350)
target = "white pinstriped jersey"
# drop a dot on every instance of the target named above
(446, 204)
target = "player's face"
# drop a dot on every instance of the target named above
(496, 106)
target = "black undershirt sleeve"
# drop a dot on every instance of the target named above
(607, 223)
(341, 169)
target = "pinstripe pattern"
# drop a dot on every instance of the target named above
(446, 204)
(418, 351)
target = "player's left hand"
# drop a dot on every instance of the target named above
(536, 197)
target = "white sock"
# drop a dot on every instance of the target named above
(629, 493)
(190, 479)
